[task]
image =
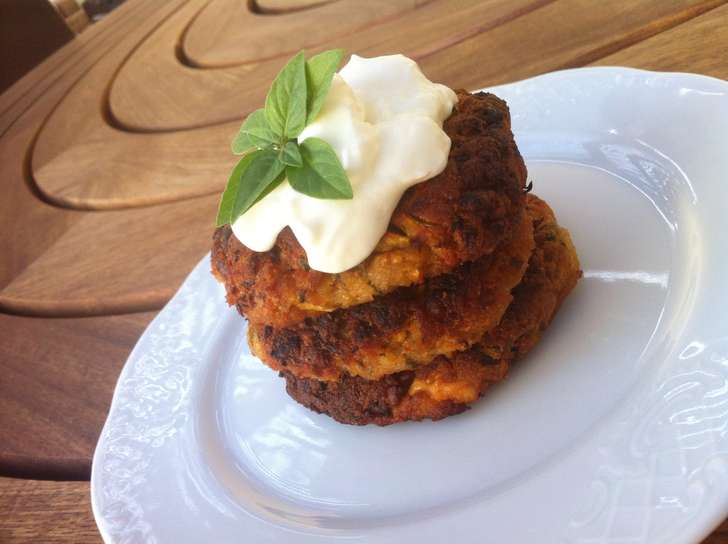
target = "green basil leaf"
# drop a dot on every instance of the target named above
(248, 183)
(262, 171)
(290, 155)
(255, 132)
(276, 183)
(320, 71)
(241, 144)
(321, 175)
(227, 200)
(285, 105)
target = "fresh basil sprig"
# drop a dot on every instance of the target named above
(267, 141)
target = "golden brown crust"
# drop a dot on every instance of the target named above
(396, 397)
(448, 385)
(458, 216)
(404, 329)
(553, 271)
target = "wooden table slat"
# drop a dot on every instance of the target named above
(33, 511)
(699, 46)
(187, 99)
(213, 39)
(57, 380)
(557, 38)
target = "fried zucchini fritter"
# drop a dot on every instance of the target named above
(441, 389)
(406, 328)
(460, 215)
(448, 385)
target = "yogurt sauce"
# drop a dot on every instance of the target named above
(383, 118)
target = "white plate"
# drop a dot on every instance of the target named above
(612, 430)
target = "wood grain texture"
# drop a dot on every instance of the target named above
(531, 32)
(698, 46)
(77, 264)
(184, 98)
(229, 32)
(89, 269)
(112, 150)
(554, 38)
(72, 171)
(57, 380)
(273, 7)
(73, 153)
(46, 512)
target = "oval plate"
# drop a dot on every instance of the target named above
(612, 430)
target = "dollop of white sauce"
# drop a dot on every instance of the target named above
(383, 118)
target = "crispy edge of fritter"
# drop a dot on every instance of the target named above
(448, 385)
(404, 329)
(458, 216)
(391, 399)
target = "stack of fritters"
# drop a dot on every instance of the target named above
(469, 273)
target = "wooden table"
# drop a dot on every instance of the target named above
(114, 150)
